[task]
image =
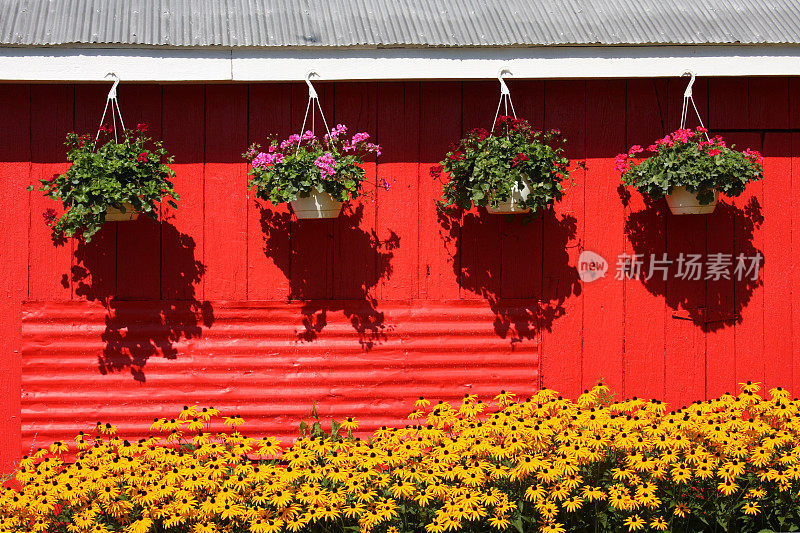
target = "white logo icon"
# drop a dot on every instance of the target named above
(591, 266)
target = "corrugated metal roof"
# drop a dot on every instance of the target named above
(355, 23)
(255, 361)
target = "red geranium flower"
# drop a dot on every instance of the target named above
(519, 159)
(143, 157)
(479, 133)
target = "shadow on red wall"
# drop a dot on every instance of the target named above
(138, 330)
(518, 316)
(710, 300)
(360, 306)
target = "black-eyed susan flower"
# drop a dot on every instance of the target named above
(350, 424)
(659, 524)
(634, 523)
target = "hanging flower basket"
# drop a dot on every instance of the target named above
(316, 204)
(126, 212)
(315, 176)
(690, 169)
(515, 203)
(110, 180)
(510, 170)
(683, 202)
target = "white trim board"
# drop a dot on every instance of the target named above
(283, 64)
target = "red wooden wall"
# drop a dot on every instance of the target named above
(230, 302)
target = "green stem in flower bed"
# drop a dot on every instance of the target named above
(108, 173)
(687, 158)
(485, 167)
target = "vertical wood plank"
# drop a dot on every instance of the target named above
(749, 212)
(479, 245)
(139, 241)
(52, 113)
(685, 353)
(795, 250)
(359, 261)
(724, 97)
(645, 307)
(521, 236)
(794, 122)
(94, 265)
(15, 169)
(779, 261)
(440, 125)
(563, 237)
(182, 235)
(605, 219)
(397, 219)
(768, 102)
(728, 102)
(225, 192)
(268, 229)
(312, 240)
(769, 108)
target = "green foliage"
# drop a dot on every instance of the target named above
(485, 167)
(108, 174)
(316, 431)
(686, 158)
(297, 165)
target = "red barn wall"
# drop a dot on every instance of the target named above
(228, 301)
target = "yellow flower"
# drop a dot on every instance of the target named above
(681, 509)
(634, 523)
(140, 526)
(499, 521)
(750, 386)
(572, 504)
(751, 508)
(659, 524)
(421, 403)
(552, 527)
(727, 487)
(505, 398)
(593, 493)
(233, 421)
(349, 424)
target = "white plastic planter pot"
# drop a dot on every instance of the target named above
(116, 215)
(316, 205)
(683, 202)
(513, 204)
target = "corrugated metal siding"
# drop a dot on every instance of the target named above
(345, 23)
(252, 362)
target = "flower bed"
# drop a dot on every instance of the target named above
(544, 463)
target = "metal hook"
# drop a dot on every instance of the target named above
(112, 94)
(503, 86)
(312, 93)
(688, 92)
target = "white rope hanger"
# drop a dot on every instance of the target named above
(312, 99)
(505, 97)
(688, 98)
(112, 101)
